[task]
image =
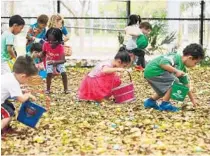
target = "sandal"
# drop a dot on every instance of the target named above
(67, 91)
(48, 92)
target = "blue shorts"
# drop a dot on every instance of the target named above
(60, 68)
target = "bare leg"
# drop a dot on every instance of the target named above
(167, 95)
(155, 97)
(49, 79)
(65, 81)
(5, 122)
(152, 102)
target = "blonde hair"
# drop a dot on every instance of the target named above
(54, 19)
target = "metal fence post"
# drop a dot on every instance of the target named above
(58, 6)
(202, 21)
(128, 9)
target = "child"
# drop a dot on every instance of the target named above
(142, 43)
(53, 51)
(36, 50)
(23, 69)
(164, 70)
(98, 84)
(132, 31)
(36, 31)
(57, 21)
(36, 54)
(16, 24)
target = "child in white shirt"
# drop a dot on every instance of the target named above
(23, 69)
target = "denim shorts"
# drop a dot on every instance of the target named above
(60, 68)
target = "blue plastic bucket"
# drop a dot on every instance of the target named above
(30, 113)
(43, 74)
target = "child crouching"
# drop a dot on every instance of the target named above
(98, 84)
(164, 70)
(23, 69)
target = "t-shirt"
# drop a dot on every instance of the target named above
(64, 30)
(53, 54)
(97, 70)
(174, 59)
(34, 31)
(7, 38)
(142, 42)
(10, 87)
(130, 40)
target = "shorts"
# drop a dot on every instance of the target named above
(7, 110)
(60, 68)
(161, 84)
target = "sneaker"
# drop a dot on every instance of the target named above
(149, 103)
(139, 68)
(167, 106)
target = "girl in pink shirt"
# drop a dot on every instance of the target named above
(98, 84)
(53, 51)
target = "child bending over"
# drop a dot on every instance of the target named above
(36, 53)
(164, 70)
(23, 69)
(36, 32)
(99, 83)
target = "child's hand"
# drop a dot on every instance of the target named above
(33, 38)
(24, 88)
(50, 62)
(179, 73)
(120, 69)
(194, 102)
(37, 40)
(31, 96)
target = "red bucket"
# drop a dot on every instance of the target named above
(124, 93)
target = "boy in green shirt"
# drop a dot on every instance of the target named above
(16, 24)
(164, 70)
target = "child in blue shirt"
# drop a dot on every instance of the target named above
(36, 32)
(16, 24)
(57, 21)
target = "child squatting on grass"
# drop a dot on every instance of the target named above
(164, 70)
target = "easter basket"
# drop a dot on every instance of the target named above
(125, 92)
